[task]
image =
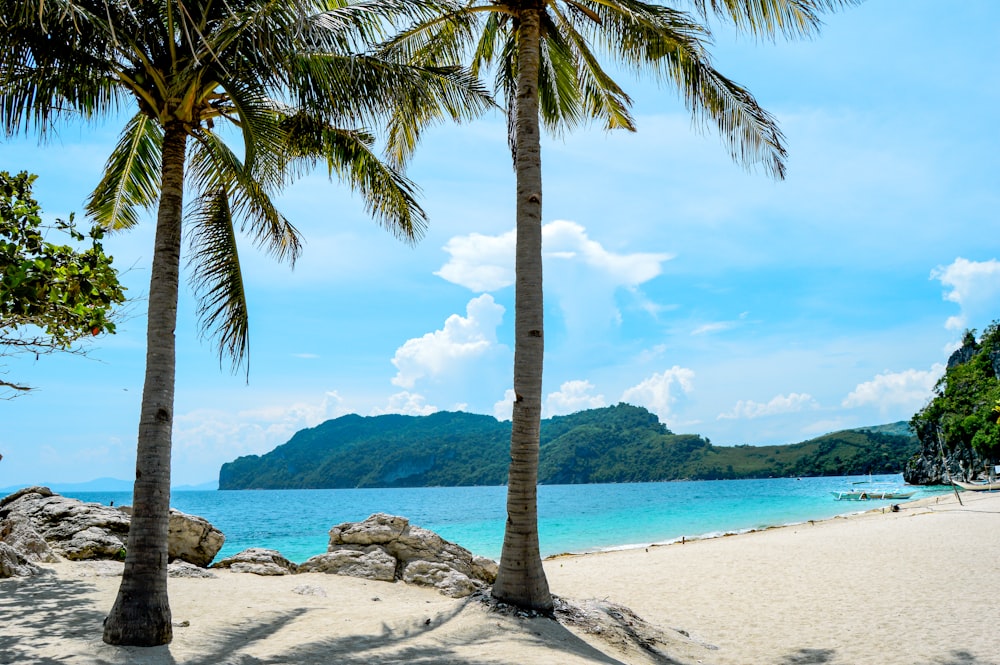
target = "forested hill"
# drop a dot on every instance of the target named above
(620, 443)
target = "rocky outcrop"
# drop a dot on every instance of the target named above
(14, 564)
(71, 528)
(929, 467)
(190, 538)
(957, 430)
(259, 561)
(387, 547)
(41, 525)
(375, 564)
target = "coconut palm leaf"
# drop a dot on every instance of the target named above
(217, 278)
(131, 176)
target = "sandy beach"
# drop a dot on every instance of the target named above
(914, 587)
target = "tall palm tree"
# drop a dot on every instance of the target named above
(294, 81)
(546, 66)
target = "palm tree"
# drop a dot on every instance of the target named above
(292, 78)
(542, 53)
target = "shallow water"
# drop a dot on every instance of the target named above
(572, 518)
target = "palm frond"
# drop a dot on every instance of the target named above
(771, 18)
(131, 176)
(217, 278)
(387, 194)
(215, 167)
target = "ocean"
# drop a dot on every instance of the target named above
(572, 518)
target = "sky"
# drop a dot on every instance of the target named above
(747, 310)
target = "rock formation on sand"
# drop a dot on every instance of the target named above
(387, 547)
(384, 548)
(42, 526)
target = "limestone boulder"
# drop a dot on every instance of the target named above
(375, 564)
(184, 569)
(14, 564)
(22, 537)
(41, 525)
(418, 556)
(259, 561)
(71, 528)
(447, 580)
(190, 538)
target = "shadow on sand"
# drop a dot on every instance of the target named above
(50, 610)
(823, 656)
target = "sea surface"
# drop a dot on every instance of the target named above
(572, 518)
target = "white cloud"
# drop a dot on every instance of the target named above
(461, 340)
(581, 275)
(480, 263)
(206, 438)
(975, 287)
(789, 403)
(504, 409)
(910, 388)
(486, 263)
(658, 393)
(408, 404)
(709, 328)
(571, 397)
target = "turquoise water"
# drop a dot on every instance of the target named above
(572, 518)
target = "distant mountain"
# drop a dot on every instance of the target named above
(104, 485)
(96, 485)
(620, 443)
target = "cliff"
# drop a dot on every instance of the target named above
(620, 443)
(958, 432)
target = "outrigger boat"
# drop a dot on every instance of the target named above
(871, 495)
(978, 487)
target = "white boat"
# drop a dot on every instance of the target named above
(871, 495)
(978, 487)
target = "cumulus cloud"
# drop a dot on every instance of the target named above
(461, 340)
(486, 263)
(659, 392)
(571, 397)
(910, 388)
(789, 403)
(504, 409)
(408, 404)
(974, 287)
(581, 274)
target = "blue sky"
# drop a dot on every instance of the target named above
(733, 306)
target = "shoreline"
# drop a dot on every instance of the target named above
(874, 587)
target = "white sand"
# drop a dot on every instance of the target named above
(917, 587)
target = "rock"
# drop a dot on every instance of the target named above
(14, 564)
(448, 581)
(258, 561)
(309, 590)
(185, 569)
(42, 524)
(373, 565)
(413, 554)
(71, 528)
(23, 538)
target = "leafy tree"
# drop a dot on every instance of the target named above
(544, 56)
(960, 422)
(51, 296)
(291, 81)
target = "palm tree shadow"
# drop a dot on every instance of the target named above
(809, 657)
(444, 638)
(47, 609)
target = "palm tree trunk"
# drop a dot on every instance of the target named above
(521, 578)
(141, 613)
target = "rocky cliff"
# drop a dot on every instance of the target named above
(958, 431)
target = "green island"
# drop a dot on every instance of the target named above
(614, 444)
